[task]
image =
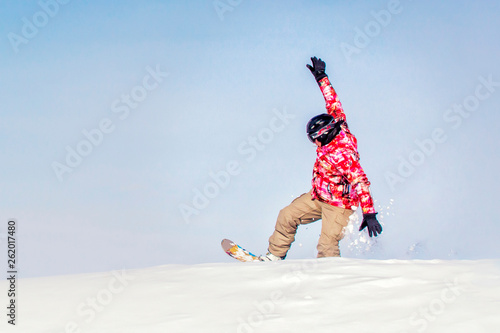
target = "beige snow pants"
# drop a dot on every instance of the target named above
(304, 210)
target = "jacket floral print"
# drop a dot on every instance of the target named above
(338, 178)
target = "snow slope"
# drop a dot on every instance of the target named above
(313, 295)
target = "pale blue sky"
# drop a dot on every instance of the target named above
(221, 82)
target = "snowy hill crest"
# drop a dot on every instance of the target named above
(315, 295)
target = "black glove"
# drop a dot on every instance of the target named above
(317, 68)
(370, 221)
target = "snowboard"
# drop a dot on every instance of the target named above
(237, 252)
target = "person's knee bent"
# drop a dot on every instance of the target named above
(287, 220)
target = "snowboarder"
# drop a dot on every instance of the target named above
(339, 184)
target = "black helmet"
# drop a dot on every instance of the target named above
(323, 128)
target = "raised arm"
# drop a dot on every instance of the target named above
(333, 105)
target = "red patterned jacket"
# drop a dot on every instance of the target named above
(338, 177)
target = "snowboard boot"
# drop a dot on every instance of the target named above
(270, 257)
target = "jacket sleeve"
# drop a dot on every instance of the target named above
(348, 164)
(333, 105)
